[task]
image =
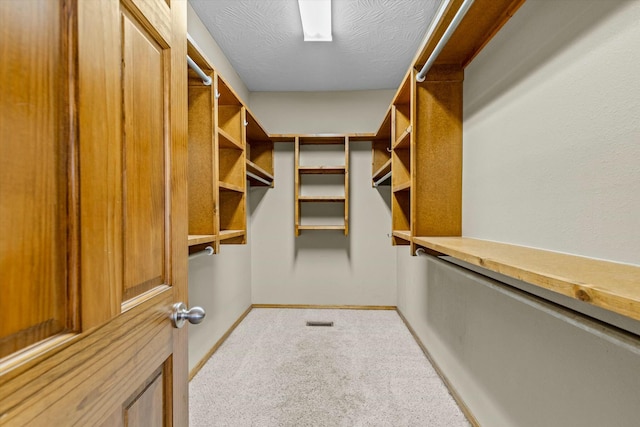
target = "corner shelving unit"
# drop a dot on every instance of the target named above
(317, 169)
(227, 146)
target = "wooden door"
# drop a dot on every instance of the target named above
(93, 220)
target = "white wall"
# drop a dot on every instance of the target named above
(322, 267)
(551, 149)
(517, 361)
(221, 283)
(321, 112)
(552, 131)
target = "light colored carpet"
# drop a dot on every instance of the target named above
(366, 370)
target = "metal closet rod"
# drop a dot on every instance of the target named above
(453, 25)
(258, 178)
(208, 251)
(205, 79)
(383, 179)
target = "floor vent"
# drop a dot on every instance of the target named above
(309, 323)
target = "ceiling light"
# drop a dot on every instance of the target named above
(316, 20)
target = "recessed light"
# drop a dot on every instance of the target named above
(316, 20)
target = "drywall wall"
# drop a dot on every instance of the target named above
(551, 131)
(221, 283)
(322, 267)
(551, 148)
(321, 112)
(514, 359)
(214, 53)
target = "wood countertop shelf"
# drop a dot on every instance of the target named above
(605, 284)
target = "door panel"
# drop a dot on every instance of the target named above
(144, 92)
(33, 174)
(87, 381)
(94, 240)
(147, 408)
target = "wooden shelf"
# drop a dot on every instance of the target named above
(230, 187)
(290, 137)
(321, 170)
(609, 285)
(321, 199)
(227, 141)
(198, 239)
(382, 171)
(322, 139)
(336, 139)
(403, 140)
(258, 171)
(405, 186)
(402, 234)
(230, 234)
(322, 227)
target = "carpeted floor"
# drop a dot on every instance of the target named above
(366, 370)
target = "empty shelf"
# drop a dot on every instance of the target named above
(402, 187)
(382, 171)
(403, 140)
(226, 186)
(261, 174)
(403, 234)
(322, 170)
(230, 234)
(321, 227)
(227, 141)
(321, 199)
(198, 239)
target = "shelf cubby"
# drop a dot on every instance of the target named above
(381, 152)
(259, 153)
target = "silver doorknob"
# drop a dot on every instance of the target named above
(180, 314)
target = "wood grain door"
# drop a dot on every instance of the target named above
(93, 220)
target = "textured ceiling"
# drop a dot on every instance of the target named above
(373, 44)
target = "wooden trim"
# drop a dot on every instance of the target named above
(328, 307)
(452, 390)
(217, 345)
